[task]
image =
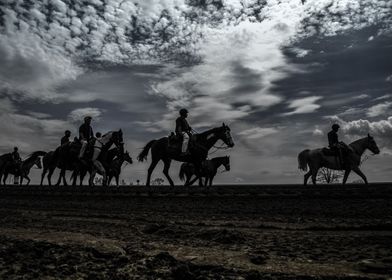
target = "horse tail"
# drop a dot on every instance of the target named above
(303, 160)
(182, 172)
(143, 155)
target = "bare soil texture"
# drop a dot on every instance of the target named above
(229, 232)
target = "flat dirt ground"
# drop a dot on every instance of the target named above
(230, 232)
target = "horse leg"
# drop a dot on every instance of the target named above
(43, 176)
(359, 172)
(188, 178)
(306, 177)
(150, 170)
(51, 170)
(5, 179)
(92, 176)
(166, 167)
(117, 179)
(314, 175)
(211, 178)
(64, 179)
(81, 179)
(28, 180)
(346, 173)
(74, 177)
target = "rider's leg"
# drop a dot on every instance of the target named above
(83, 148)
(98, 165)
(185, 142)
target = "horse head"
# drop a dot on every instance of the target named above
(225, 135)
(226, 163)
(117, 138)
(127, 158)
(372, 145)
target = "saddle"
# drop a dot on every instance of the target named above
(175, 141)
(329, 152)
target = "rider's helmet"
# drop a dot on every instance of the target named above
(67, 132)
(15, 149)
(183, 112)
(98, 134)
(87, 118)
(335, 126)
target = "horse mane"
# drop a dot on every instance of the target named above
(205, 133)
(357, 141)
(35, 155)
(6, 155)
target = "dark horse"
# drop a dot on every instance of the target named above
(49, 164)
(112, 163)
(24, 169)
(199, 146)
(316, 159)
(66, 158)
(209, 169)
(115, 167)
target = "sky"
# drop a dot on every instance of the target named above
(279, 73)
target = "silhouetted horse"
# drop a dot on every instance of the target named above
(24, 170)
(112, 163)
(316, 159)
(115, 167)
(105, 158)
(209, 169)
(199, 146)
(66, 158)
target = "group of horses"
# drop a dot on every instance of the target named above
(166, 149)
(66, 157)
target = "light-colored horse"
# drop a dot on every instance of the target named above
(316, 159)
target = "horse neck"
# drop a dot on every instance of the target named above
(359, 146)
(209, 141)
(29, 162)
(216, 162)
(118, 162)
(106, 139)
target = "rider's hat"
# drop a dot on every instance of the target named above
(335, 126)
(15, 148)
(87, 118)
(183, 111)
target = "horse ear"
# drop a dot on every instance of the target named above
(223, 124)
(369, 135)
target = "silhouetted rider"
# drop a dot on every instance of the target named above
(65, 139)
(85, 134)
(15, 155)
(183, 129)
(334, 144)
(17, 160)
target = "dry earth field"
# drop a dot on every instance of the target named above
(229, 232)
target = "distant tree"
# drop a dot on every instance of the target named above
(157, 182)
(329, 176)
